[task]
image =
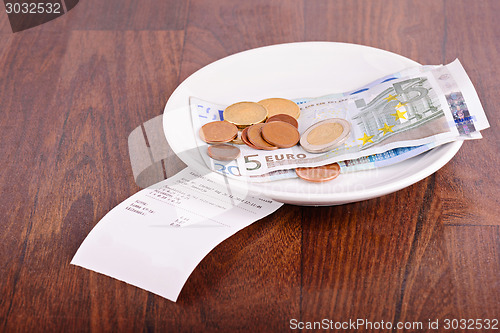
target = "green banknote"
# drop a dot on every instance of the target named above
(424, 106)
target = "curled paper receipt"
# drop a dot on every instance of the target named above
(156, 238)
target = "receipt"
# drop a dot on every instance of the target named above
(157, 237)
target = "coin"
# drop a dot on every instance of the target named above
(255, 137)
(276, 106)
(325, 135)
(238, 140)
(244, 137)
(280, 134)
(284, 117)
(244, 114)
(218, 131)
(223, 152)
(319, 174)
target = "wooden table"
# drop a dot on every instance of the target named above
(73, 89)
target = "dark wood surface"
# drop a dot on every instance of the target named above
(73, 89)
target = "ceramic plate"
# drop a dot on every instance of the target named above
(291, 71)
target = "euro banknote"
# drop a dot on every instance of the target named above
(416, 109)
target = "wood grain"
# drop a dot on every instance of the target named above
(382, 24)
(217, 31)
(4, 24)
(72, 90)
(473, 173)
(366, 253)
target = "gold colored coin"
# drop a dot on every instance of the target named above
(255, 137)
(280, 134)
(276, 106)
(319, 174)
(244, 114)
(325, 135)
(218, 131)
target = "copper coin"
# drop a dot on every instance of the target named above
(319, 174)
(281, 106)
(284, 117)
(255, 137)
(223, 152)
(218, 131)
(244, 114)
(244, 137)
(238, 140)
(280, 134)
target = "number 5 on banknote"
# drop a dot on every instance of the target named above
(257, 163)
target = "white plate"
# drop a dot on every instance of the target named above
(296, 70)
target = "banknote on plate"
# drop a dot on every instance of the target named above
(391, 119)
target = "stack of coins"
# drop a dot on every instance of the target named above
(254, 135)
(269, 124)
(272, 124)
